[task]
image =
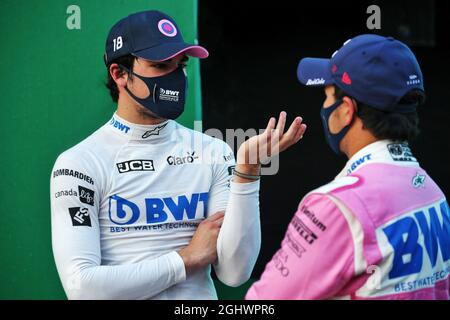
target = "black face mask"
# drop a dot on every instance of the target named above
(332, 139)
(167, 93)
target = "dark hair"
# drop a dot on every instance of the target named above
(389, 125)
(126, 61)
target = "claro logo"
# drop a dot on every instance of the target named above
(189, 158)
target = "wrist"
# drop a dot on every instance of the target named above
(246, 169)
(187, 260)
(246, 158)
(250, 169)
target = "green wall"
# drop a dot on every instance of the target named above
(52, 97)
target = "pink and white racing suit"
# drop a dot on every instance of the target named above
(380, 230)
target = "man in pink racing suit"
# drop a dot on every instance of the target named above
(381, 228)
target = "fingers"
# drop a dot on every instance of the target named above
(266, 138)
(216, 216)
(281, 122)
(279, 141)
(270, 127)
(293, 135)
(218, 222)
(300, 133)
(214, 220)
(261, 148)
(293, 129)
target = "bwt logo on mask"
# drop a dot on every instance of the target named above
(169, 95)
(158, 210)
(418, 232)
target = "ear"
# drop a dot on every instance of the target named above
(119, 75)
(348, 110)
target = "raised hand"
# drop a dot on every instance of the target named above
(259, 149)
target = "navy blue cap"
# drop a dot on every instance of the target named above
(151, 35)
(375, 70)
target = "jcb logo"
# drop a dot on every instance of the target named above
(135, 165)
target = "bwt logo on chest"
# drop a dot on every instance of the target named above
(424, 234)
(158, 210)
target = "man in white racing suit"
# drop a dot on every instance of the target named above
(143, 206)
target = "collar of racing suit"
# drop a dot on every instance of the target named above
(142, 132)
(382, 151)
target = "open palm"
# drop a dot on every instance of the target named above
(260, 148)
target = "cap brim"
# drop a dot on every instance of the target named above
(314, 72)
(169, 50)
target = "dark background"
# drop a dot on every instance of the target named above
(251, 75)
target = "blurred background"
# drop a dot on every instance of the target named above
(53, 96)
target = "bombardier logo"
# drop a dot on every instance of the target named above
(315, 82)
(73, 173)
(135, 165)
(169, 95)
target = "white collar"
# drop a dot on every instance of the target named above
(145, 133)
(382, 151)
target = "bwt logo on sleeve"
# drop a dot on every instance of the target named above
(135, 165)
(419, 241)
(158, 210)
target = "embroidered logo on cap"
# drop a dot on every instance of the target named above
(346, 79)
(167, 28)
(334, 68)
